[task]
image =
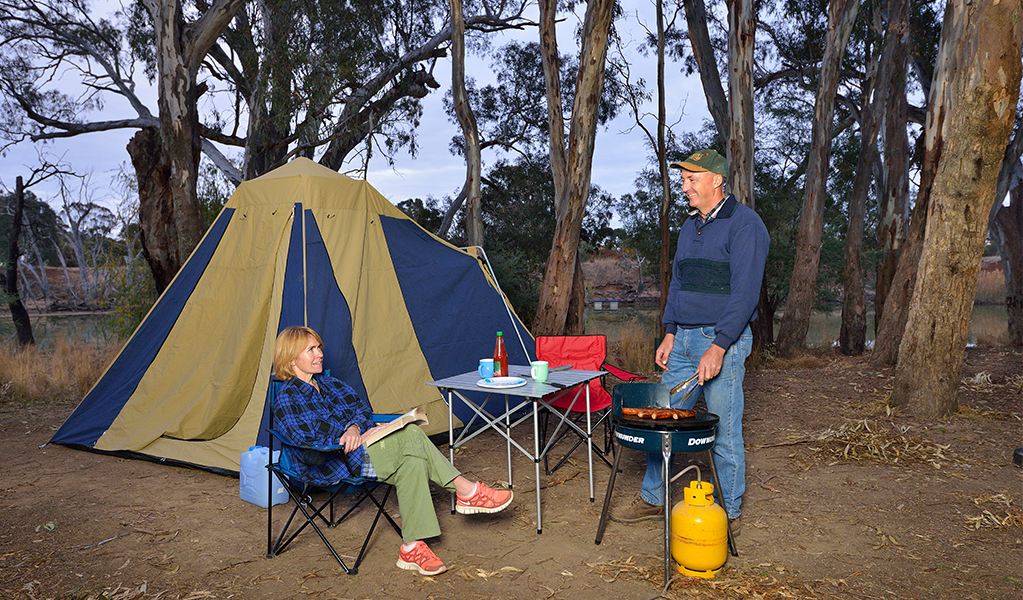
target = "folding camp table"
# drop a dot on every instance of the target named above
(531, 393)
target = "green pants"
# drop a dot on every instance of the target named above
(409, 461)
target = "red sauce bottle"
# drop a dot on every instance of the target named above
(500, 357)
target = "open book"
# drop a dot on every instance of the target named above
(417, 415)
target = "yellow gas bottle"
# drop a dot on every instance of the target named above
(699, 532)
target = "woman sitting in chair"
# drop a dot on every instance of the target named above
(314, 409)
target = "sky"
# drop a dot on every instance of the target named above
(620, 153)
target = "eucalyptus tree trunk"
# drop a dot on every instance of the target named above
(180, 50)
(22, 324)
(796, 321)
(892, 321)
(978, 73)
(852, 338)
(1005, 227)
(891, 324)
(152, 172)
(893, 202)
(466, 118)
(703, 53)
(1009, 228)
(563, 282)
(664, 271)
(741, 33)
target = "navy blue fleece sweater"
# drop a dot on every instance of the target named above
(717, 272)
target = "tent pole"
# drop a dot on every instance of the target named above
(507, 308)
(305, 275)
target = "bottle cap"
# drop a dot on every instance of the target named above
(499, 333)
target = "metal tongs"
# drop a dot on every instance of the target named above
(689, 393)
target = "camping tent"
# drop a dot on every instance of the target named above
(396, 306)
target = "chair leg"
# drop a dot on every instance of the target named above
(607, 498)
(600, 452)
(304, 504)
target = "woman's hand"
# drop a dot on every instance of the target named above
(351, 439)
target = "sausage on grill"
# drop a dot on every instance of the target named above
(659, 413)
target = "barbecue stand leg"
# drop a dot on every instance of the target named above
(666, 454)
(607, 496)
(717, 492)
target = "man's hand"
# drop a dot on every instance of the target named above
(664, 350)
(710, 363)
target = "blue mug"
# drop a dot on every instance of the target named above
(486, 368)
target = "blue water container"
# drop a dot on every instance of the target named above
(252, 477)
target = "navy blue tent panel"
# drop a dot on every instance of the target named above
(328, 311)
(102, 405)
(322, 303)
(432, 275)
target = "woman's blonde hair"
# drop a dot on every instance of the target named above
(290, 343)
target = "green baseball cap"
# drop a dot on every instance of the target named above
(704, 160)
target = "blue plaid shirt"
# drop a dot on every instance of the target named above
(319, 418)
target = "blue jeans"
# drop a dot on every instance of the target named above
(724, 398)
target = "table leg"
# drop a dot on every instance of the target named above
(536, 464)
(507, 430)
(589, 438)
(451, 440)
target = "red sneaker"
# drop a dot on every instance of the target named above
(420, 558)
(485, 500)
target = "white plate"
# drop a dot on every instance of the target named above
(501, 383)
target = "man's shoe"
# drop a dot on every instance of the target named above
(420, 558)
(639, 510)
(485, 500)
(735, 525)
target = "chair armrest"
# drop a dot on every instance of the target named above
(378, 419)
(620, 374)
(284, 440)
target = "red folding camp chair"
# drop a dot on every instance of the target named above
(586, 352)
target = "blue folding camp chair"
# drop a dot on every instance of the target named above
(301, 493)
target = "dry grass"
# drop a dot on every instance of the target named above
(633, 350)
(991, 287)
(67, 371)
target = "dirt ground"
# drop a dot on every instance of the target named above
(844, 501)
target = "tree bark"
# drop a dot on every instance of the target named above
(556, 294)
(796, 320)
(180, 50)
(893, 210)
(22, 324)
(1005, 226)
(741, 33)
(852, 339)
(1009, 225)
(555, 106)
(664, 270)
(892, 322)
(895, 312)
(978, 73)
(703, 53)
(159, 236)
(466, 118)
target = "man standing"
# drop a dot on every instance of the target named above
(712, 298)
